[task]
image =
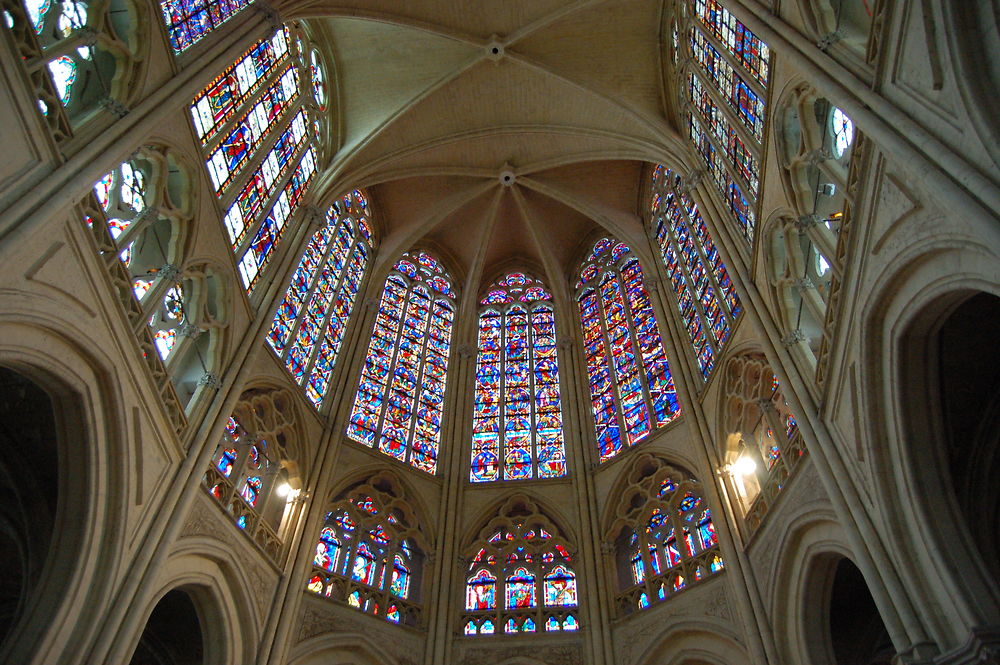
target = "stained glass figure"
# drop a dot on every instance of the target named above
(318, 79)
(631, 387)
(309, 324)
(702, 288)
(517, 421)
(252, 100)
(751, 52)
(188, 21)
(481, 592)
(227, 92)
(560, 588)
(401, 394)
(520, 577)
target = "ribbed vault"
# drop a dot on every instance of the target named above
(436, 99)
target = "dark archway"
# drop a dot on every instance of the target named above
(29, 491)
(173, 634)
(969, 383)
(857, 633)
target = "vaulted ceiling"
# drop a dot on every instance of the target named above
(501, 133)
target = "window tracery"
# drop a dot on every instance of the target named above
(401, 393)
(765, 445)
(309, 324)
(703, 290)
(261, 154)
(517, 418)
(632, 390)
(664, 537)
(80, 54)
(138, 215)
(254, 466)
(370, 552)
(519, 577)
(816, 153)
(725, 87)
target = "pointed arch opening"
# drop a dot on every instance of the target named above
(632, 390)
(517, 417)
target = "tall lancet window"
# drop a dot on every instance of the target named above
(631, 388)
(259, 148)
(725, 87)
(309, 324)
(703, 290)
(401, 396)
(188, 21)
(517, 422)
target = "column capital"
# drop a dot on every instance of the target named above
(211, 380)
(466, 350)
(115, 107)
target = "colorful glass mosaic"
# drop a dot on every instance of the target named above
(261, 247)
(223, 97)
(401, 395)
(188, 21)
(309, 324)
(703, 290)
(631, 387)
(748, 49)
(517, 421)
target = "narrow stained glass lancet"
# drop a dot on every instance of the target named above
(401, 394)
(703, 290)
(517, 422)
(631, 387)
(309, 324)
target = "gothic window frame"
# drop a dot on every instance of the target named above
(763, 447)
(687, 252)
(609, 260)
(184, 29)
(416, 271)
(260, 151)
(381, 508)
(725, 97)
(520, 546)
(516, 291)
(311, 298)
(254, 474)
(804, 254)
(651, 562)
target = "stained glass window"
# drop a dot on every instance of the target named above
(842, 130)
(365, 558)
(401, 395)
(726, 89)
(631, 388)
(237, 117)
(520, 578)
(751, 52)
(227, 92)
(673, 546)
(517, 421)
(188, 21)
(701, 284)
(309, 324)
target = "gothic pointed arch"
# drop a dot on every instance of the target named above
(256, 468)
(400, 399)
(662, 534)
(517, 421)
(762, 445)
(520, 574)
(632, 390)
(312, 317)
(371, 553)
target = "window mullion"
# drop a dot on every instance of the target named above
(383, 407)
(724, 106)
(422, 370)
(301, 317)
(728, 161)
(615, 386)
(723, 50)
(640, 364)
